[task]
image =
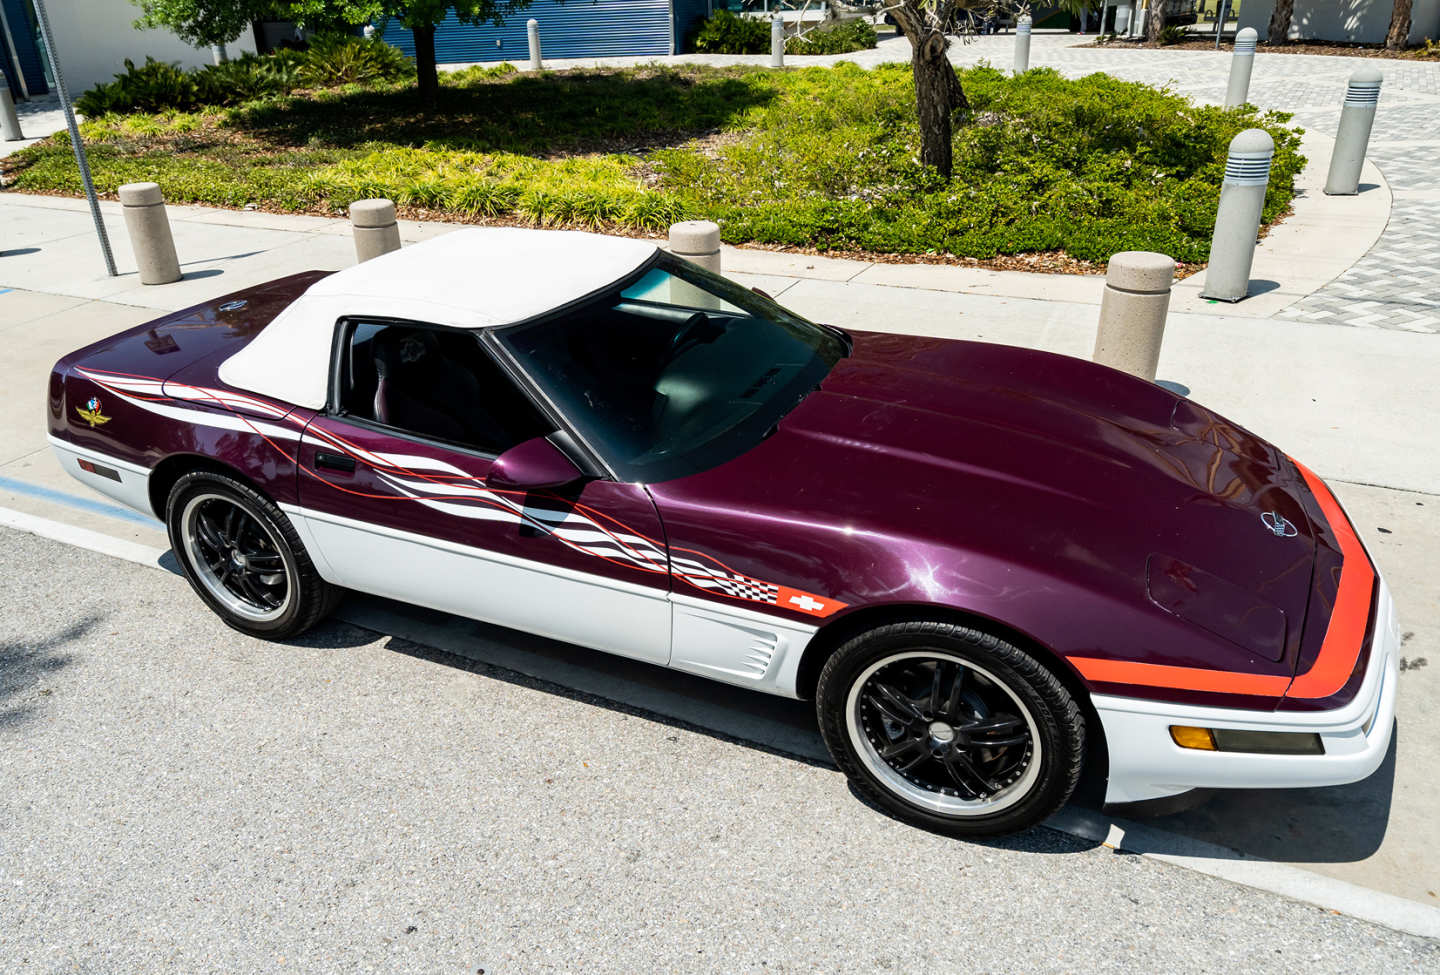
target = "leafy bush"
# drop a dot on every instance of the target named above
(1174, 34)
(244, 79)
(851, 35)
(726, 33)
(154, 87)
(816, 157)
(338, 59)
(330, 62)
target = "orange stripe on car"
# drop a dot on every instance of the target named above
(1345, 633)
(1184, 678)
(1339, 652)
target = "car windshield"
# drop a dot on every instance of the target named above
(676, 371)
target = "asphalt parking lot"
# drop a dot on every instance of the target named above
(177, 797)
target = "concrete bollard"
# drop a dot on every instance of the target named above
(698, 241)
(9, 121)
(1022, 45)
(777, 42)
(532, 32)
(1242, 62)
(1133, 310)
(149, 229)
(1357, 117)
(375, 229)
(1237, 218)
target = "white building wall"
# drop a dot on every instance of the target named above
(95, 37)
(1364, 21)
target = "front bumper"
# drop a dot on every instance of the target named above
(1145, 763)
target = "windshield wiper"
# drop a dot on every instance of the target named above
(840, 334)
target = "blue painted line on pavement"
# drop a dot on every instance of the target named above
(79, 503)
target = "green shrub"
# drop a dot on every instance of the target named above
(1174, 34)
(815, 157)
(244, 79)
(331, 61)
(843, 38)
(726, 33)
(154, 87)
(339, 59)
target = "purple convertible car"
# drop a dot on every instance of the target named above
(983, 563)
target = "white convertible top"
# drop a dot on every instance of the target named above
(474, 278)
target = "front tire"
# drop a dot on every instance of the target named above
(243, 557)
(950, 728)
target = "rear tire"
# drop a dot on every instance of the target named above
(243, 557)
(950, 728)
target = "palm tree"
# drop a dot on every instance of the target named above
(1280, 22)
(1399, 26)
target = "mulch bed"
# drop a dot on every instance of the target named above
(1331, 48)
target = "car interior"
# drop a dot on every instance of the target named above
(437, 383)
(661, 376)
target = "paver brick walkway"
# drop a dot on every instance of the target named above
(1397, 284)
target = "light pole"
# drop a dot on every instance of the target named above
(43, 19)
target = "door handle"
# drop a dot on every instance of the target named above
(334, 462)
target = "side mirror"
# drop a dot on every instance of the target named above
(532, 465)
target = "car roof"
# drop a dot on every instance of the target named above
(493, 275)
(474, 278)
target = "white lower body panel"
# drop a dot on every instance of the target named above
(1145, 763)
(132, 489)
(738, 646)
(594, 611)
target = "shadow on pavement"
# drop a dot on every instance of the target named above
(1339, 824)
(1332, 825)
(775, 725)
(24, 663)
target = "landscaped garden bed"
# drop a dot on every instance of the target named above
(1050, 174)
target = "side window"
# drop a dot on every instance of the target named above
(436, 383)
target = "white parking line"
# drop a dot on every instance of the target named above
(1299, 884)
(119, 548)
(1296, 883)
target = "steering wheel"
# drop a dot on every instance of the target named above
(689, 330)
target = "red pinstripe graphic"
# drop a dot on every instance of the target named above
(793, 599)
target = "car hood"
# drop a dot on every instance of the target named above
(1052, 464)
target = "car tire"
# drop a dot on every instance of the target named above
(951, 728)
(243, 557)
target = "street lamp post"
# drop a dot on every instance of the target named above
(43, 20)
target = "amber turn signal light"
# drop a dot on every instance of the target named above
(1187, 737)
(1254, 742)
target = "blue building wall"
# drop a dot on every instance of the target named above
(26, 47)
(572, 29)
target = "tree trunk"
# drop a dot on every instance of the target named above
(1155, 22)
(1399, 26)
(1279, 31)
(938, 93)
(427, 77)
